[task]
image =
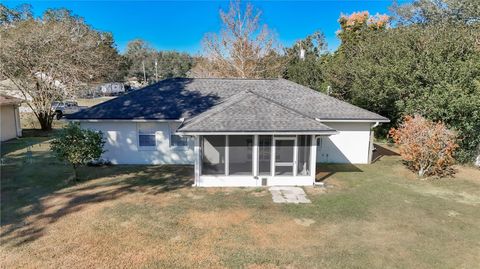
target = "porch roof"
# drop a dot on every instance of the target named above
(249, 112)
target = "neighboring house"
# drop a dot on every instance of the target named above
(113, 88)
(237, 132)
(9, 117)
(8, 88)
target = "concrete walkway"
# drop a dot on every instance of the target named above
(294, 195)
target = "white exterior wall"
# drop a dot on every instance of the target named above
(350, 145)
(10, 122)
(122, 143)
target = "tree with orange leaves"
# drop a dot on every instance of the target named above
(427, 147)
(358, 22)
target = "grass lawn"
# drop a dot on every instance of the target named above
(371, 216)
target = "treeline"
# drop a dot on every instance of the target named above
(146, 64)
(426, 62)
(425, 59)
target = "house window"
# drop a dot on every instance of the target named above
(147, 140)
(178, 141)
(146, 135)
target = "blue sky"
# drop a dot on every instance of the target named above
(180, 25)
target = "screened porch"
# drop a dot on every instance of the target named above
(255, 160)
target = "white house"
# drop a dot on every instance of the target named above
(236, 132)
(9, 117)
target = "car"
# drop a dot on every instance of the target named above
(62, 108)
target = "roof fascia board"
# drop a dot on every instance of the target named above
(126, 120)
(261, 133)
(351, 120)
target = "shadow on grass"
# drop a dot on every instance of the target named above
(326, 170)
(381, 151)
(22, 143)
(36, 195)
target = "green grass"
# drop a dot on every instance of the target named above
(370, 216)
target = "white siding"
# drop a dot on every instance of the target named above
(350, 145)
(122, 143)
(10, 122)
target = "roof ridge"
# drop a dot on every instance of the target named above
(327, 96)
(202, 116)
(216, 109)
(284, 106)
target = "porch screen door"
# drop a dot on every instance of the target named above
(284, 161)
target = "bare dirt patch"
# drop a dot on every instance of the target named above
(460, 197)
(304, 222)
(218, 219)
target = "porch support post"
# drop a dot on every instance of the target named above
(313, 157)
(198, 160)
(272, 157)
(255, 155)
(295, 156)
(227, 156)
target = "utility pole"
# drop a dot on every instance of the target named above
(156, 71)
(144, 75)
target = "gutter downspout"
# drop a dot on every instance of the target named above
(18, 126)
(370, 151)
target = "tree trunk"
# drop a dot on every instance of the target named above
(75, 173)
(45, 120)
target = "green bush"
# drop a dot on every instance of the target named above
(77, 146)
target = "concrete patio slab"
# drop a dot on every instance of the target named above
(294, 195)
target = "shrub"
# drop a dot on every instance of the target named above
(77, 146)
(427, 147)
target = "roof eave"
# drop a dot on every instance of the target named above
(258, 132)
(124, 120)
(383, 120)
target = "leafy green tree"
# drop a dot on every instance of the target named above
(306, 69)
(77, 146)
(338, 69)
(428, 66)
(142, 58)
(173, 64)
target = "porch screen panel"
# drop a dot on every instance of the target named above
(304, 143)
(240, 154)
(264, 155)
(284, 151)
(213, 155)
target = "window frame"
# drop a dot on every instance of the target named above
(176, 146)
(154, 134)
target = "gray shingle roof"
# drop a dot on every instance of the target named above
(187, 98)
(250, 112)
